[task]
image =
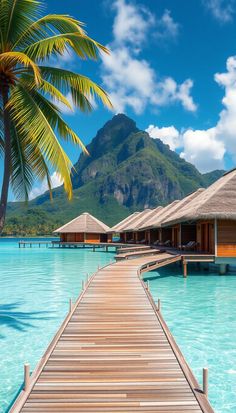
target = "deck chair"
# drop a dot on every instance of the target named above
(165, 244)
(157, 242)
(189, 246)
(142, 241)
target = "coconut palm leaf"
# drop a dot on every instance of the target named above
(21, 175)
(11, 59)
(15, 17)
(46, 88)
(82, 45)
(46, 26)
(76, 84)
(29, 117)
(31, 123)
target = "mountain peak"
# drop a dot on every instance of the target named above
(113, 133)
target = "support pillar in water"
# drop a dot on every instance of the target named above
(222, 269)
(185, 269)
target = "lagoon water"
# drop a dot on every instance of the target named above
(201, 314)
(35, 287)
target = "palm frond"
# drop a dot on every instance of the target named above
(78, 85)
(58, 124)
(46, 26)
(29, 118)
(15, 18)
(21, 171)
(28, 165)
(19, 58)
(82, 45)
(46, 88)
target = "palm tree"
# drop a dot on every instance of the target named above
(31, 125)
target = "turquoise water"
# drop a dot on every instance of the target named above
(201, 314)
(35, 287)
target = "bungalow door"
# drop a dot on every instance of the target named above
(207, 238)
(175, 238)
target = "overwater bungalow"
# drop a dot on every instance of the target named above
(167, 235)
(210, 220)
(134, 228)
(117, 229)
(85, 228)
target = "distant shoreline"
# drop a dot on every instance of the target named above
(27, 236)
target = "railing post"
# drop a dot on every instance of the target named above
(185, 269)
(82, 285)
(205, 381)
(147, 285)
(159, 305)
(87, 278)
(70, 305)
(26, 377)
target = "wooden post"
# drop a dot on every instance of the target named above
(205, 381)
(185, 269)
(147, 285)
(70, 305)
(26, 377)
(87, 278)
(159, 305)
(82, 285)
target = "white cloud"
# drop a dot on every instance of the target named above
(130, 80)
(222, 10)
(43, 187)
(226, 127)
(169, 135)
(206, 148)
(183, 94)
(203, 149)
(131, 22)
(167, 28)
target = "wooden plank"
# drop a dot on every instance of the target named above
(114, 353)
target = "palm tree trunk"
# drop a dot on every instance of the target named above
(7, 158)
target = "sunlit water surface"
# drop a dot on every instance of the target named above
(201, 314)
(35, 287)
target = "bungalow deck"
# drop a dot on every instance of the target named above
(114, 353)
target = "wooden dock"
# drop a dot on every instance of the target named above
(136, 253)
(114, 353)
(30, 244)
(126, 248)
(61, 244)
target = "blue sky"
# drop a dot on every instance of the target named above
(172, 68)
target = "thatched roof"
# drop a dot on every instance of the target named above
(218, 201)
(154, 220)
(146, 215)
(118, 227)
(84, 223)
(175, 206)
(131, 225)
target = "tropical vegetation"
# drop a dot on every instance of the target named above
(31, 91)
(127, 171)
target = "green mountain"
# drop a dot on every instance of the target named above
(126, 171)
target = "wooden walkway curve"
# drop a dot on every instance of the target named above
(114, 353)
